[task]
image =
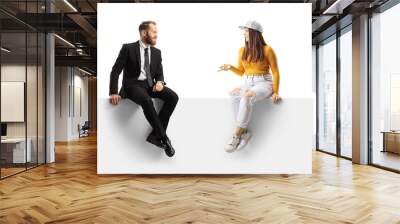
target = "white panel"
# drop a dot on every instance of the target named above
(192, 49)
(199, 130)
(12, 101)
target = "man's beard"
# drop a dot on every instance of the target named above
(148, 40)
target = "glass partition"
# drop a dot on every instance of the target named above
(22, 78)
(13, 105)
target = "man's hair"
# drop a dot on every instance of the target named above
(145, 25)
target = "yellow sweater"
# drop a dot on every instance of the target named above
(260, 67)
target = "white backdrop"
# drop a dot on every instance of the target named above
(194, 40)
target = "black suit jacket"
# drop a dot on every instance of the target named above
(129, 61)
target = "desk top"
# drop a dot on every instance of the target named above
(390, 132)
(14, 140)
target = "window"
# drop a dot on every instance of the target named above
(327, 95)
(346, 92)
(385, 89)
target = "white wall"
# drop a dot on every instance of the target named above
(61, 103)
(15, 72)
(80, 84)
(68, 81)
(33, 127)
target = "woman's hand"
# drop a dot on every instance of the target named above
(236, 90)
(276, 98)
(225, 67)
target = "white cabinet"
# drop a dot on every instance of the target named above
(17, 146)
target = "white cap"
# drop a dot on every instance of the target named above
(252, 24)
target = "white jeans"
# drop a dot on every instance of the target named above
(261, 85)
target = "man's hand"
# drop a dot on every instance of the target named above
(114, 99)
(275, 98)
(159, 86)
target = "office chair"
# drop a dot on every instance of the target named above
(84, 130)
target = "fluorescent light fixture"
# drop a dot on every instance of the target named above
(338, 6)
(65, 41)
(84, 71)
(70, 5)
(5, 49)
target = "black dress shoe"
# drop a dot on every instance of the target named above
(155, 141)
(169, 150)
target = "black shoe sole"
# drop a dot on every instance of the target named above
(169, 150)
(170, 154)
(156, 143)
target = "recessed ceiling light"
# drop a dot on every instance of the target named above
(70, 5)
(84, 71)
(5, 50)
(338, 6)
(64, 40)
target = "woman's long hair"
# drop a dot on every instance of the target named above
(254, 47)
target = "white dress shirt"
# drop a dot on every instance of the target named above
(142, 75)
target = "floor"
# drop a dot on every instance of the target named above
(70, 191)
(8, 171)
(5, 172)
(387, 159)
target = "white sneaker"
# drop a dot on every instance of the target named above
(233, 144)
(244, 139)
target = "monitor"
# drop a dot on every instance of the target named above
(3, 129)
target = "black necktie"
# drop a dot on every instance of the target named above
(147, 67)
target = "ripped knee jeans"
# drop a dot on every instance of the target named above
(261, 86)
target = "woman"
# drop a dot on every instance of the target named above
(256, 59)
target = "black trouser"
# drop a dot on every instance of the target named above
(142, 94)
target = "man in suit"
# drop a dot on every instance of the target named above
(143, 80)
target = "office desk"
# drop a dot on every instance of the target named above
(13, 150)
(391, 141)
